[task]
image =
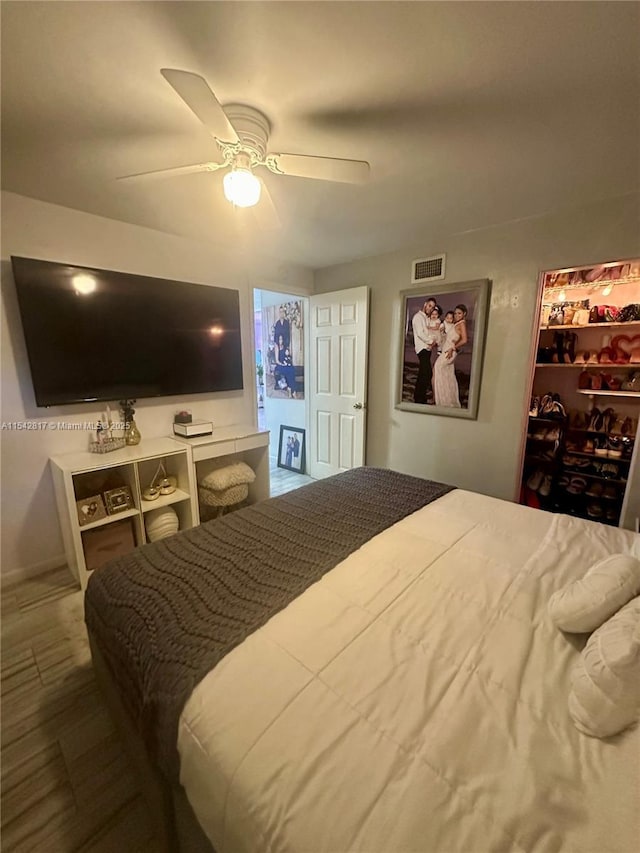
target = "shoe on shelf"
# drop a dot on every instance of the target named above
(614, 446)
(581, 463)
(627, 446)
(610, 470)
(546, 405)
(594, 419)
(557, 410)
(534, 408)
(584, 380)
(535, 480)
(553, 434)
(594, 511)
(545, 487)
(610, 492)
(616, 426)
(608, 418)
(601, 446)
(577, 485)
(628, 426)
(595, 489)
(612, 514)
(550, 452)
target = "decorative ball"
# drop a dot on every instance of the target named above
(161, 523)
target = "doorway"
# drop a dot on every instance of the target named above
(281, 348)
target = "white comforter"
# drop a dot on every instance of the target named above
(415, 699)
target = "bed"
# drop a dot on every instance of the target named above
(386, 677)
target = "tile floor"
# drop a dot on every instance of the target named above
(66, 783)
(282, 480)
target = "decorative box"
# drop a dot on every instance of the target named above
(107, 542)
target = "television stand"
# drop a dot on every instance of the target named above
(118, 526)
(84, 475)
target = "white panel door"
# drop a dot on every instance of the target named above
(339, 328)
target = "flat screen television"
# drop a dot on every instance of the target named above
(95, 334)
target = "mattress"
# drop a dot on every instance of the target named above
(415, 699)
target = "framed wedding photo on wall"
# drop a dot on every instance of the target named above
(441, 348)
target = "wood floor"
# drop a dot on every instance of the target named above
(66, 782)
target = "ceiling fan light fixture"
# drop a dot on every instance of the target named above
(241, 187)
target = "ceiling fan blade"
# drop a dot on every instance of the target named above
(173, 172)
(195, 92)
(321, 168)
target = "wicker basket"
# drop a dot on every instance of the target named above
(107, 445)
(223, 497)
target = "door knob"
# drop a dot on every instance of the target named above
(358, 405)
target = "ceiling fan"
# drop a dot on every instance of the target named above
(242, 135)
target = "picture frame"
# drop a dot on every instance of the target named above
(291, 449)
(444, 377)
(283, 350)
(118, 500)
(90, 509)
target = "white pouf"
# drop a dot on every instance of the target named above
(161, 523)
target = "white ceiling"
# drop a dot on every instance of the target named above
(470, 114)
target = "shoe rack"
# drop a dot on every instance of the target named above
(579, 447)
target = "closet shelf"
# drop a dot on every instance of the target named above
(601, 432)
(573, 472)
(576, 328)
(591, 393)
(598, 456)
(597, 366)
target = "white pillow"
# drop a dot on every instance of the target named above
(230, 475)
(586, 603)
(605, 694)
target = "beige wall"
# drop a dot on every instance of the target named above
(481, 455)
(31, 536)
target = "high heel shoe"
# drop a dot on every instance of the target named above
(608, 417)
(596, 418)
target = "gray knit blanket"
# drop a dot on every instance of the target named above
(166, 614)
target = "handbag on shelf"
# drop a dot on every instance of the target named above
(581, 317)
(604, 314)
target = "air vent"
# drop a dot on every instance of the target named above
(427, 269)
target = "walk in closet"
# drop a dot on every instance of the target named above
(580, 451)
